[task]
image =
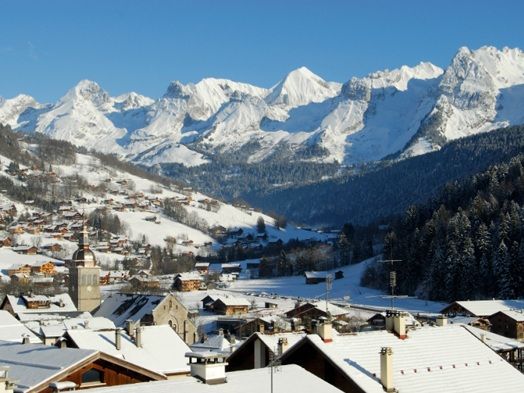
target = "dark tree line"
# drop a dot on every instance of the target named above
(467, 244)
(365, 194)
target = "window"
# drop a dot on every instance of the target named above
(93, 376)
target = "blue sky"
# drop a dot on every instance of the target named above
(48, 46)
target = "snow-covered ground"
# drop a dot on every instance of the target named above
(347, 289)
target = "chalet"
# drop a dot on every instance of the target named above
(258, 350)
(38, 304)
(6, 242)
(428, 359)
(42, 368)
(481, 308)
(16, 230)
(46, 268)
(144, 283)
(19, 269)
(41, 281)
(508, 323)
(316, 310)
(54, 247)
(229, 268)
(186, 282)
(313, 277)
(72, 216)
(231, 306)
(264, 324)
(20, 278)
(202, 267)
(149, 310)
(26, 250)
(207, 302)
(157, 348)
(208, 376)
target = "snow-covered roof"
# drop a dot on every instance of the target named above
(488, 307)
(271, 340)
(233, 301)
(12, 329)
(59, 303)
(495, 341)
(162, 351)
(55, 329)
(517, 316)
(432, 359)
(331, 308)
(189, 276)
(288, 378)
(315, 274)
(9, 258)
(31, 364)
(120, 307)
(215, 343)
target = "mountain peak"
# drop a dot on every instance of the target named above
(301, 87)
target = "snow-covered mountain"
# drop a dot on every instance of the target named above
(405, 112)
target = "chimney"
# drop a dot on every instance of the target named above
(483, 337)
(325, 331)
(386, 369)
(441, 320)
(130, 327)
(138, 337)
(389, 320)
(282, 345)
(7, 385)
(118, 339)
(209, 367)
(25, 339)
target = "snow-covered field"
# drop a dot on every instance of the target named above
(347, 289)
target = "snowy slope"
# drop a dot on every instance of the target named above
(406, 111)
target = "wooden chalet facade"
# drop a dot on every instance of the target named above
(38, 368)
(187, 282)
(508, 323)
(45, 268)
(229, 306)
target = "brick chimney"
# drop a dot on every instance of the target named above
(386, 369)
(209, 367)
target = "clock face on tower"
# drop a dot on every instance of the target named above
(89, 288)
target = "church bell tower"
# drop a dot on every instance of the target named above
(84, 276)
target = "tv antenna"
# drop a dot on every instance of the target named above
(392, 279)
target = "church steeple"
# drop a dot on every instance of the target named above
(84, 275)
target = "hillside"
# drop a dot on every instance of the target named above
(467, 244)
(48, 187)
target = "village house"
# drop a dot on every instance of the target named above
(122, 308)
(144, 283)
(263, 324)
(481, 308)
(37, 368)
(186, 282)
(38, 304)
(230, 306)
(46, 268)
(313, 277)
(19, 269)
(317, 310)
(202, 267)
(26, 250)
(258, 350)
(208, 376)
(158, 348)
(508, 323)
(425, 359)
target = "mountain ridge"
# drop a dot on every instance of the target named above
(402, 112)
